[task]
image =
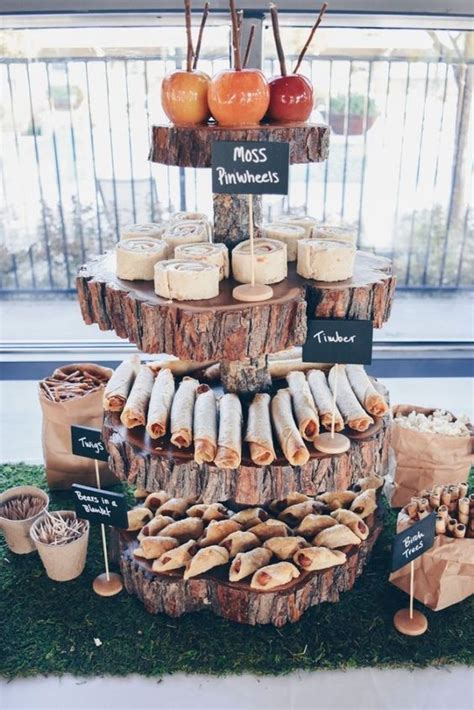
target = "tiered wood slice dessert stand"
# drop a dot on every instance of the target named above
(240, 336)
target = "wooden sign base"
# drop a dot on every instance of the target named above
(414, 626)
(328, 443)
(107, 587)
(251, 294)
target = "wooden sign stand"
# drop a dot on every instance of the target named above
(410, 622)
(330, 442)
(108, 583)
(252, 292)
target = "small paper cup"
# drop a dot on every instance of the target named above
(62, 562)
(17, 532)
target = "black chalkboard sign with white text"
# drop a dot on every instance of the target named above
(100, 506)
(339, 341)
(250, 167)
(87, 442)
(413, 542)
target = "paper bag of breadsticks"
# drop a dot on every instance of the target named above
(444, 575)
(72, 395)
(420, 459)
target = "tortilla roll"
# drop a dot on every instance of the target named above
(160, 403)
(229, 444)
(372, 401)
(459, 531)
(303, 405)
(323, 397)
(134, 412)
(290, 439)
(205, 425)
(274, 576)
(440, 525)
(259, 430)
(312, 559)
(352, 411)
(120, 384)
(182, 413)
(443, 511)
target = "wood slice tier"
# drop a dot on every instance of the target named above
(154, 466)
(222, 328)
(174, 596)
(192, 147)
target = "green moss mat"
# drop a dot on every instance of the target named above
(49, 628)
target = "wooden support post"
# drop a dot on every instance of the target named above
(231, 218)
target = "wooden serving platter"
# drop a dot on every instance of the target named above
(192, 147)
(172, 595)
(222, 328)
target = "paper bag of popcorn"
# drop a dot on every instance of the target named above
(427, 447)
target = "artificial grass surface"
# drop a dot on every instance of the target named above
(50, 627)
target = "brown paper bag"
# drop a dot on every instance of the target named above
(444, 575)
(419, 460)
(63, 468)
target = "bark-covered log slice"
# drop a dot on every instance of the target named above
(170, 594)
(192, 147)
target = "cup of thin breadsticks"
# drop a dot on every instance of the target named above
(20, 507)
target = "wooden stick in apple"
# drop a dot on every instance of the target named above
(189, 38)
(249, 46)
(201, 32)
(235, 36)
(278, 43)
(311, 35)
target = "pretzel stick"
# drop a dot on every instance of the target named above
(201, 32)
(311, 35)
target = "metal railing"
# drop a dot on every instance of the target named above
(74, 167)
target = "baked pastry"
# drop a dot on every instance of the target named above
(274, 576)
(289, 234)
(217, 530)
(250, 517)
(352, 411)
(259, 430)
(154, 500)
(364, 484)
(303, 405)
(317, 558)
(240, 541)
(365, 503)
(336, 536)
(353, 521)
(229, 443)
(269, 262)
(182, 410)
(312, 524)
(153, 546)
(290, 439)
(246, 563)
(134, 412)
(137, 518)
(323, 399)
(285, 547)
(208, 511)
(183, 530)
(160, 403)
(120, 384)
(337, 499)
(175, 558)
(276, 506)
(136, 258)
(324, 260)
(186, 280)
(205, 425)
(175, 507)
(270, 528)
(372, 401)
(215, 254)
(295, 513)
(206, 559)
(155, 526)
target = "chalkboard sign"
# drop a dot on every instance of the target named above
(250, 167)
(87, 442)
(413, 542)
(339, 341)
(100, 506)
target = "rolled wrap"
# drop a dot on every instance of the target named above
(182, 413)
(259, 430)
(120, 384)
(269, 259)
(305, 221)
(325, 260)
(149, 230)
(229, 445)
(372, 401)
(354, 415)
(216, 254)
(323, 397)
(291, 443)
(160, 403)
(303, 404)
(136, 258)
(205, 425)
(186, 280)
(184, 232)
(335, 233)
(289, 234)
(134, 412)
